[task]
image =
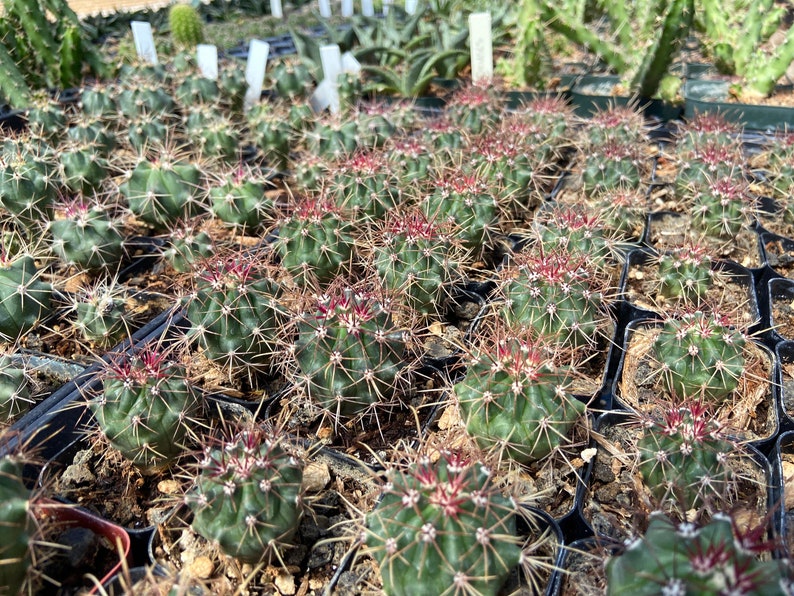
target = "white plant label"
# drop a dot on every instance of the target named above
(276, 10)
(410, 6)
(144, 41)
(347, 8)
(386, 5)
(331, 58)
(350, 64)
(207, 58)
(322, 97)
(481, 45)
(368, 8)
(325, 8)
(255, 71)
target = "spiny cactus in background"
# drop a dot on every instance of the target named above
(332, 138)
(234, 311)
(29, 181)
(473, 108)
(291, 79)
(443, 527)
(160, 192)
(196, 89)
(699, 356)
(685, 273)
(444, 138)
(83, 169)
(145, 406)
(87, 235)
(553, 115)
(706, 128)
(623, 212)
(515, 401)
(272, 133)
(682, 558)
(241, 199)
(100, 311)
(213, 133)
(315, 242)
(416, 258)
(364, 186)
(613, 165)
(46, 118)
(350, 352)
(722, 208)
(185, 248)
(708, 161)
(411, 163)
(90, 132)
(145, 98)
(552, 296)
(147, 132)
(15, 395)
(684, 456)
(247, 497)
(99, 101)
(615, 124)
(187, 30)
(779, 168)
(375, 126)
(18, 526)
(24, 298)
(465, 202)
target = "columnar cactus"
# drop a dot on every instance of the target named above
(87, 236)
(685, 273)
(443, 528)
(682, 558)
(415, 259)
(24, 298)
(164, 191)
(516, 401)
(18, 526)
(350, 353)
(315, 242)
(187, 30)
(699, 356)
(14, 391)
(234, 311)
(247, 498)
(145, 406)
(684, 457)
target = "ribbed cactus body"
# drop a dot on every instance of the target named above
(683, 458)
(464, 202)
(29, 181)
(162, 192)
(187, 30)
(685, 273)
(443, 528)
(24, 298)
(247, 496)
(271, 133)
(315, 242)
(185, 248)
(14, 390)
(87, 236)
(363, 186)
(18, 527)
(682, 558)
(350, 353)
(292, 79)
(699, 355)
(214, 134)
(241, 201)
(721, 209)
(234, 312)
(84, 169)
(615, 165)
(196, 89)
(333, 139)
(516, 402)
(101, 315)
(145, 407)
(473, 109)
(707, 161)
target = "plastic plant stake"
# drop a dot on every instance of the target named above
(347, 8)
(144, 41)
(255, 70)
(410, 6)
(325, 8)
(350, 64)
(276, 10)
(367, 9)
(481, 47)
(331, 59)
(321, 98)
(207, 58)
(386, 5)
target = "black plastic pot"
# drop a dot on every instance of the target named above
(713, 96)
(782, 480)
(593, 93)
(778, 253)
(785, 380)
(780, 306)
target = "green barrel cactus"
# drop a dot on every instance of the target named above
(685, 273)
(515, 401)
(699, 356)
(443, 528)
(350, 353)
(187, 30)
(706, 162)
(614, 165)
(721, 209)
(145, 406)
(29, 181)
(364, 186)
(15, 395)
(100, 312)
(24, 298)
(185, 248)
(241, 199)
(87, 236)
(18, 526)
(272, 133)
(683, 558)
(247, 497)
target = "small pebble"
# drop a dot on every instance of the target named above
(285, 583)
(316, 476)
(201, 567)
(168, 487)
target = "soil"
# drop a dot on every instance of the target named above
(583, 570)
(617, 504)
(671, 230)
(733, 297)
(787, 390)
(780, 256)
(782, 315)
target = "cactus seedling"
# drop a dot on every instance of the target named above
(185, 247)
(187, 30)
(101, 313)
(684, 457)
(516, 401)
(241, 199)
(145, 406)
(699, 356)
(721, 209)
(87, 236)
(681, 558)
(350, 352)
(24, 298)
(247, 497)
(443, 528)
(685, 273)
